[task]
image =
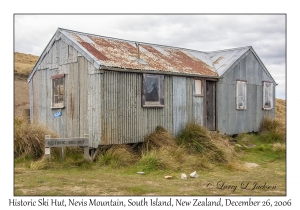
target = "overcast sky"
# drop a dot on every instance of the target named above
(265, 33)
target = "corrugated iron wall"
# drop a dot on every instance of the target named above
(230, 120)
(123, 118)
(186, 107)
(74, 122)
(94, 92)
(107, 104)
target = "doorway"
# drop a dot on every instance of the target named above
(210, 102)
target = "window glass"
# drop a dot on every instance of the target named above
(58, 91)
(153, 90)
(267, 95)
(241, 95)
(198, 87)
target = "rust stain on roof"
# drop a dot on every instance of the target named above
(94, 51)
(122, 54)
(217, 61)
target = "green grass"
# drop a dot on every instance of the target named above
(114, 172)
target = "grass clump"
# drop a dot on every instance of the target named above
(40, 164)
(272, 130)
(149, 162)
(158, 139)
(198, 140)
(117, 156)
(29, 139)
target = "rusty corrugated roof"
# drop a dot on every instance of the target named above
(116, 53)
(107, 52)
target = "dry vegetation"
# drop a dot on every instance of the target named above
(281, 111)
(23, 64)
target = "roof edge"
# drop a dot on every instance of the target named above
(262, 64)
(102, 67)
(41, 57)
(125, 40)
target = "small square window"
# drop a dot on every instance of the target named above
(153, 90)
(267, 95)
(58, 91)
(198, 87)
(241, 95)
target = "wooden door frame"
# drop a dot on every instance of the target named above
(204, 102)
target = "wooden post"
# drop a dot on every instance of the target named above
(86, 149)
(47, 149)
(62, 154)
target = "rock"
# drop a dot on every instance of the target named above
(183, 176)
(251, 165)
(238, 145)
(141, 173)
(168, 177)
(194, 174)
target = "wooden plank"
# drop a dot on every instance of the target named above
(66, 142)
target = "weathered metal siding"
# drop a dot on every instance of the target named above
(123, 119)
(186, 107)
(230, 120)
(179, 103)
(94, 103)
(31, 100)
(62, 58)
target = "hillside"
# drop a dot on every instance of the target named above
(25, 62)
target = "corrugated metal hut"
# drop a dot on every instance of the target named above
(118, 91)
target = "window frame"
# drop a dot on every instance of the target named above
(160, 86)
(271, 88)
(195, 89)
(239, 107)
(53, 79)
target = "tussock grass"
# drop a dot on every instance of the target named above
(194, 148)
(281, 111)
(117, 156)
(29, 139)
(199, 141)
(279, 147)
(40, 164)
(158, 139)
(269, 124)
(272, 130)
(23, 63)
(150, 161)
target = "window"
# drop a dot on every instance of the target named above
(198, 87)
(241, 95)
(267, 95)
(153, 90)
(58, 90)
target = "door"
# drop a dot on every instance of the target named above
(210, 102)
